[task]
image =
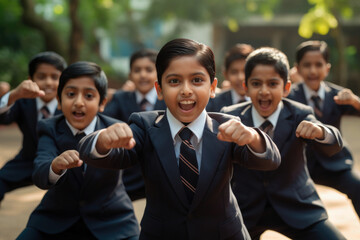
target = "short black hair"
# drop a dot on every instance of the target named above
(143, 53)
(88, 69)
(51, 58)
(268, 56)
(312, 45)
(238, 52)
(185, 47)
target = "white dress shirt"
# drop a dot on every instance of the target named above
(151, 98)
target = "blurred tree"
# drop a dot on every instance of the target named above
(328, 16)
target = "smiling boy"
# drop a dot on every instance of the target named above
(284, 200)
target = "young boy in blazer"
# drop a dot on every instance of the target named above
(81, 202)
(332, 103)
(30, 101)
(284, 200)
(144, 98)
(187, 178)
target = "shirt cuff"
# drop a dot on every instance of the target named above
(3, 103)
(94, 153)
(53, 177)
(328, 136)
(260, 155)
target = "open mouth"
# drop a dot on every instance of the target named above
(264, 104)
(187, 105)
(78, 114)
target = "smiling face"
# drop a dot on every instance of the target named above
(186, 88)
(313, 69)
(143, 74)
(236, 75)
(47, 77)
(265, 87)
(80, 102)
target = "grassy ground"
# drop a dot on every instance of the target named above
(17, 205)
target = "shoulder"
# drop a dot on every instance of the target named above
(332, 87)
(107, 120)
(120, 94)
(296, 107)
(236, 108)
(221, 117)
(50, 124)
(147, 118)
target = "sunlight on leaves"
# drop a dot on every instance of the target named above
(58, 9)
(233, 25)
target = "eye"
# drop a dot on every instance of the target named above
(173, 81)
(89, 96)
(70, 94)
(55, 77)
(255, 83)
(197, 80)
(273, 84)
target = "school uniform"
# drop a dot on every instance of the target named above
(335, 171)
(25, 113)
(94, 197)
(213, 213)
(288, 191)
(122, 105)
(225, 98)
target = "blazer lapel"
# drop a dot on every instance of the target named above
(284, 126)
(327, 108)
(163, 144)
(32, 117)
(301, 96)
(212, 150)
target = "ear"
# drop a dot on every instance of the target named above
(59, 104)
(159, 91)
(328, 67)
(213, 88)
(245, 87)
(287, 88)
(102, 105)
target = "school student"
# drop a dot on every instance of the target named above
(31, 100)
(81, 202)
(284, 200)
(186, 155)
(234, 65)
(144, 98)
(330, 102)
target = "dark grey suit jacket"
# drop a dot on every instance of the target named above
(98, 196)
(332, 114)
(289, 189)
(214, 213)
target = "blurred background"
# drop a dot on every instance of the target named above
(109, 31)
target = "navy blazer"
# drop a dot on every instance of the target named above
(222, 100)
(213, 213)
(289, 189)
(122, 105)
(332, 114)
(24, 113)
(98, 196)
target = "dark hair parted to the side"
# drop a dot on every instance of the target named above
(307, 46)
(181, 47)
(238, 52)
(51, 58)
(143, 53)
(267, 56)
(81, 69)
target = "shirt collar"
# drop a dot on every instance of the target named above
(196, 126)
(273, 118)
(52, 105)
(309, 92)
(151, 96)
(89, 129)
(235, 97)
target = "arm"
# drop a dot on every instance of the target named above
(234, 131)
(347, 97)
(26, 89)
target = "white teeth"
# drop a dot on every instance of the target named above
(187, 102)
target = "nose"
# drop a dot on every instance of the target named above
(186, 89)
(79, 100)
(264, 90)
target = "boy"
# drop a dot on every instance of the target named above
(283, 200)
(124, 103)
(32, 100)
(187, 178)
(330, 103)
(234, 65)
(81, 202)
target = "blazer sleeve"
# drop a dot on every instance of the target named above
(46, 152)
(271, 159)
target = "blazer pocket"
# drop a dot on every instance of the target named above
(306, 190)
(231, 226)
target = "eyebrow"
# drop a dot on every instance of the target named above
(87, 88)
(177, 75)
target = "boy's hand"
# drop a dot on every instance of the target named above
(234, 131)
(309, 130)
(66, 160)
(346, 96)
(118, 135)
(26, 89)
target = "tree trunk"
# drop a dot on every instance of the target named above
(76, 35)
(51, 36)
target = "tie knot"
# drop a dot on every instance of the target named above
(143, 103)
(185, 134)
(266, 126)
(79, 135)
(315, 98)
(45, 112)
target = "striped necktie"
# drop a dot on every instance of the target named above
(317, 109)
(143, 104)
(189, 172)
(267, 127)
(45, 112)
